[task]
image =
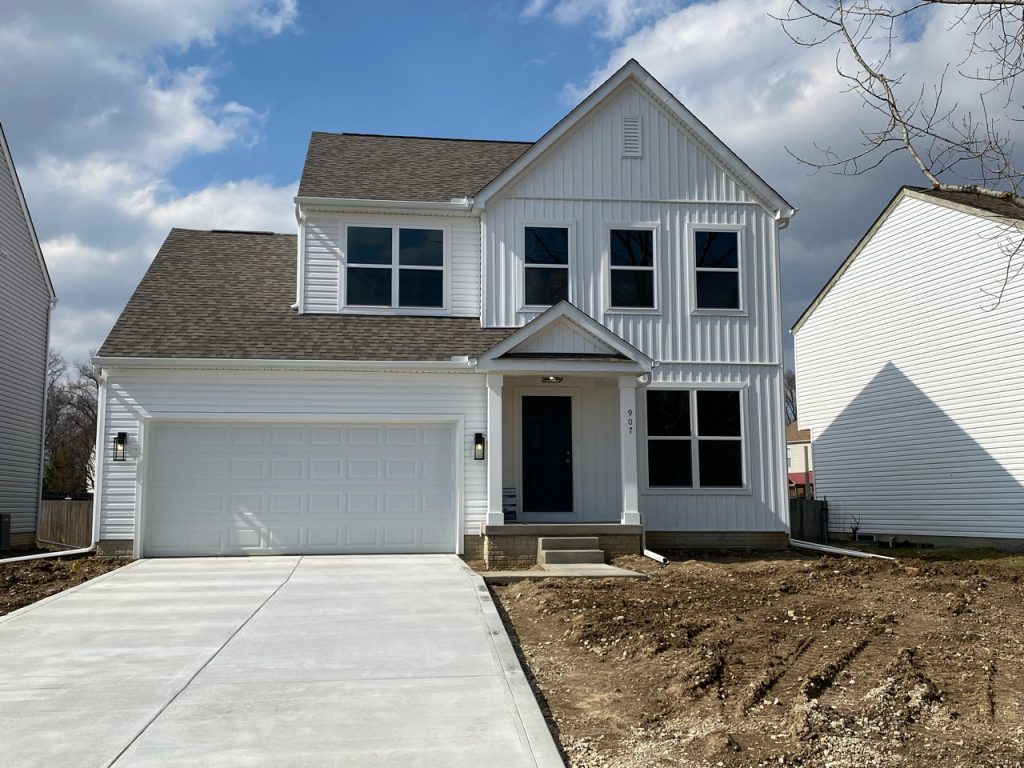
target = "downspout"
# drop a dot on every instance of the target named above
(101, 407)
(646, 379)
(46, 397)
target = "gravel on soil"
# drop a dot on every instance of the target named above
(780, 660)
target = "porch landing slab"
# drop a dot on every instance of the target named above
(562, 571)
(561, 529)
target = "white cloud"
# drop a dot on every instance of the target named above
(615, 17)
(97, 121)
(732, 65)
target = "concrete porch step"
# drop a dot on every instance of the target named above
(567, 542)
(564, 556)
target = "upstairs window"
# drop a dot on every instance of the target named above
(717, 261)
(694, 439)
(400, 267)
(547, 265)
(632, 268)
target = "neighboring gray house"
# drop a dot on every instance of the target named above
(909, 375)
(468, 344)
(26, 298)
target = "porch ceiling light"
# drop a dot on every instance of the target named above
(553, 379)
(120, 446)
(479, 446)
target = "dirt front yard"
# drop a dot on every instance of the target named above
(25, 582)
(781, 660)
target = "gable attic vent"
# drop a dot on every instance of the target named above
(631, 144)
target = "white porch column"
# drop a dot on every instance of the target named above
(495, 513)
(627, 444)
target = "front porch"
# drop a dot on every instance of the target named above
(561, 438)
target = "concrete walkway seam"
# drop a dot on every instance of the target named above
(539, 737)
(203, 666)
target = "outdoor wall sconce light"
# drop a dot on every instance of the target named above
(479, 446)
(120, 446)
(552, 379)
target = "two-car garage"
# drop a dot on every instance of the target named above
(244, 488)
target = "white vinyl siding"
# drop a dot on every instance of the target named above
(24, 317)
(761, 505)
(596, 449)
(275, 395)
(908, 378)
(323, 267)
(677, 183)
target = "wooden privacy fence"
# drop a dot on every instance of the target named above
(65, 522)
(808, 520)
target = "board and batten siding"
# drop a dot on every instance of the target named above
(596, 443)
(586, 184)
(761, 505)
(323, 268)
(133, 395)
(909, 379)
(24, 336)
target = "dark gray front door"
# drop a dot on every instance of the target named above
(547, 454)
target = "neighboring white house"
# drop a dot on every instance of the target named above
(26, 298)
(910, 371)
(580, 331)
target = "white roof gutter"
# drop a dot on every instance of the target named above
(458, 204)
(454, 364)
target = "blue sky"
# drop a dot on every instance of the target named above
(473, 70)
(126, 119)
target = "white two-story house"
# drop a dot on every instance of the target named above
(468, 343)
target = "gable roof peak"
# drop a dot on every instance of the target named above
(633, 70)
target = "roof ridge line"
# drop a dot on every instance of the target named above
(422, 138)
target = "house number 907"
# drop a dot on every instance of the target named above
(629, 421)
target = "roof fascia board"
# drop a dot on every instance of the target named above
(632, 70)
(573, 314)
(28, 216)
(548, 366)
(841, 269)
(981, 213)
(345, 203)
(163, 363)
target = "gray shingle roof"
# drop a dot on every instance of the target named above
(368, 167)
(973, 200)
(227, 295)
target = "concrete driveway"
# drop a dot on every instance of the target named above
(274, 661)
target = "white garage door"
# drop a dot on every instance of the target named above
(243, 489)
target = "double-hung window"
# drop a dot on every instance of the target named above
(717, 262)
(400, 267)
(694, 438)
(547, 265)
(632, 268)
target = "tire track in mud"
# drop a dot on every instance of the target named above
(819, 682)
(777, 668)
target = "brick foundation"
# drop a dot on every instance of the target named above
(514, 547)
(668, 540)
(120, 548)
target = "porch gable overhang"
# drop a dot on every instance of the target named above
(596, 349)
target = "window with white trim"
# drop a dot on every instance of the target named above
(546, 255)
(394, 267)
(717, 263)
(694, 438)
(632, 268)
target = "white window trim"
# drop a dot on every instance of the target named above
(606, 267)
(693, 387)
(691, 267)
(523, 266)
(394, 308)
